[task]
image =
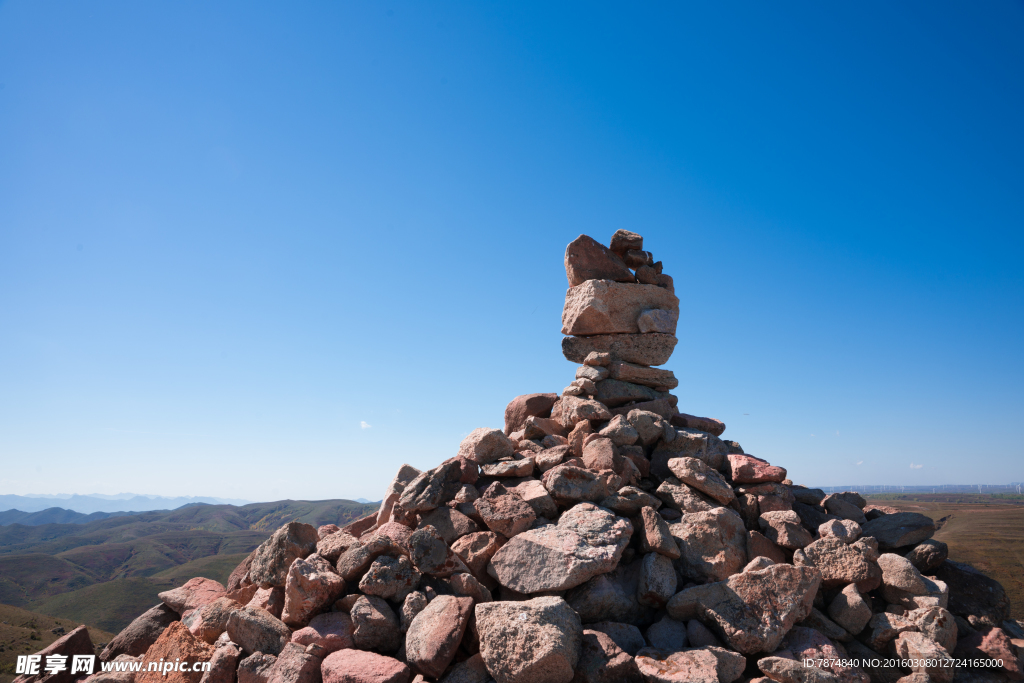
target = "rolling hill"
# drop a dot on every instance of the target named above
(107, 571)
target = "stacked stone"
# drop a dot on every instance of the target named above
(600, 537)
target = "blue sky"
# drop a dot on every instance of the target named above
(231, 233)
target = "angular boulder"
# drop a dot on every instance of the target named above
(271, 561)
(587, 541)
(602, 307)
(534, 641)
(588, 259)
(751, 611)
(435, 634)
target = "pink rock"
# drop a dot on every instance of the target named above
(311, 587)
(704, 424)
(175, 643)
(689, 666)
(568, 485)
(435, 634)
(295, 665)
(331, 631)
(326, 530)
(624, 241)
(269, 599)
(746, 469)
(587, 541)
(485, 445)
(606, 307)
(642, 349)
(992, 643)
(476, 550)
(601, 454)
(575, 409)
(521, 407)
(193, 594)
(213, 619)
(759, 546)
(357, 666)
(713, 544)
(752, 611)
(75, 643)
(588, 259)
(504, 512)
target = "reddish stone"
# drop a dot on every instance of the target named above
(175, 643)
(311, 587)
(331, 631)
(269, 599)
(521, 407)
(435, 634)
(746, 469)
(193, 594)
(357, 666)
(75, 643)
(704, 424)
(588, 259)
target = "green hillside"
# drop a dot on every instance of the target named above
(23, 632)
(107, 572)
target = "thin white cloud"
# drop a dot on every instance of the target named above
(860, 462)
(915, 467)
(363, 424)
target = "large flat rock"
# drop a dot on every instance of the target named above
(607, 307)
(642, 349)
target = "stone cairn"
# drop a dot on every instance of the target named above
(601, 537)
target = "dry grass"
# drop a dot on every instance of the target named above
(981, 531)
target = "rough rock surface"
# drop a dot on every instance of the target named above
(534, 641)
(271, 561)
(136, 638)
(435, 634)
(587, 540)
(605, 506)
(751, 611)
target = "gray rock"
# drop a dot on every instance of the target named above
(391, 578)
(271, 561)
(667, 634)
(626, 636)
(657, 581)
(451, 524)
(256, 630)
(899, 529)
(375, 626)
(928, 555)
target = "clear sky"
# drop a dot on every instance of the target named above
(269, 250)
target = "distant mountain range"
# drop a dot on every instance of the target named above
(106, 571)
(122, 502)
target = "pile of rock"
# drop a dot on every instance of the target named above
(601, 536)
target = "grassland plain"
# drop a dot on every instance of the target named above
(982, 530)
(105, 573)
(23, 632)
